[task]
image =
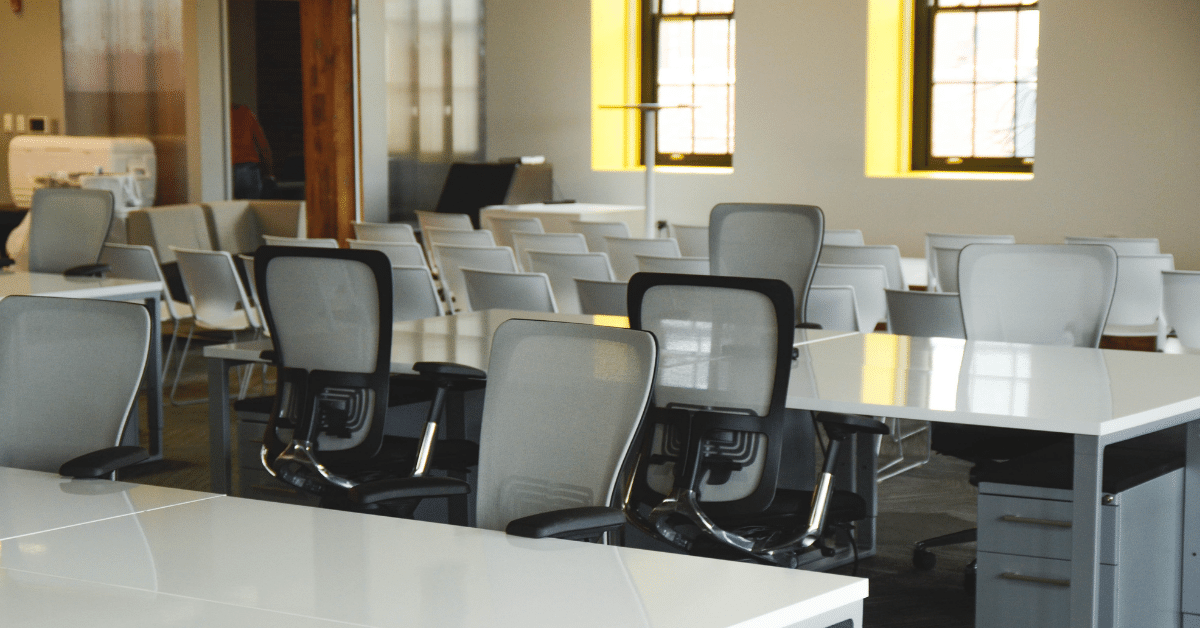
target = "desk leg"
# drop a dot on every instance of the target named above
(218, 425)
(1191, 529)
(154, 383)
(1085, 532)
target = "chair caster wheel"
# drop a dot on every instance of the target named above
(923, 559)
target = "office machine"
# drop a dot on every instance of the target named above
(36, 161)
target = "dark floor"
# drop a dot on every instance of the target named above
(928, 501)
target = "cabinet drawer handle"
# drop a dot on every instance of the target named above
(1008, 575)
(1040, 522)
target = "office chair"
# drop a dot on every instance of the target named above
(560, 411)
(693, 239)
(100, 348)
(491, 290)
(330, 314)
(833, 307)
(707, 477)
(384, 232)
(525, 242)
(67, 229)
(869, 281)
(623, 252)
(595, 232)
(954, 241)
(599, 297)
(564, 268)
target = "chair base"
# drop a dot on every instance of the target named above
(925, 560)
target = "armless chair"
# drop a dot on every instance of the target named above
(132, 261)
(925, 314)
(886, 255)
(1137, 303)
(869, 284)
(605, 298)
(448, 221)
(1123, 246)
(67, 229)
(954, 241)
(707, 480)
(458, 237)
(595, 232)
(384, 232)
(490, 290)
(833, 307)
(414, 296)
(766, 240)
(400, 253)
(452, 259)
(524, 242)
(503, 228)
(1181, 305)
(623, 252)
(564, 268)
(843, 237)
(316, 243)
(693, 239)
(673, 265)
(945, 263)
(99, 348)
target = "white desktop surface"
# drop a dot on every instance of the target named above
(258, 557)
(54, 285)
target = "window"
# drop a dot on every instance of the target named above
(975, 85)
(688, 59)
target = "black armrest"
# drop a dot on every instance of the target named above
(269, 355)
(87, 270)
(103, 462)
(840, 426)
(570, 523)
(448, 371)
(407, 488)
(808, 326)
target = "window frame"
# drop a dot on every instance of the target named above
(924, 13)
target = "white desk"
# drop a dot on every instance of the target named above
(556, 217)
(225, 561)
(14, 283)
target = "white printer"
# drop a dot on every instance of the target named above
(66, 160)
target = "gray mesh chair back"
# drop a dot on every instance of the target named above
(925, 314)
(623, 252)
(955, 241)
(503, 228)
(399, 253)
(869, 283)
(315, 243)
(564, 268)
(1137, 302)
(842, 237)
(1049, 294)
(606, 298)
(833, 308)
(945, 261)
(99, 347)
(1181, 305)
(458, 237)
(886, 255)
(413, 294)
(524, 242)
(562, 404)
(384, 232)
(595, 232)
(693, 239)
(1123, 246)
(67, 228)
(489, 290)
(673, 265)
(452, 259)
(770, 241)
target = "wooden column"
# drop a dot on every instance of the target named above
(327, 64)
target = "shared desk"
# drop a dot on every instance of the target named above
(14, 282)
(99, 553)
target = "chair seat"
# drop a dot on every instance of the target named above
(237, 321)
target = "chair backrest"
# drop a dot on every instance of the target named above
(247, 262)
(132, 261)
(833, 307)
(413, 294)
(564, 268)
(489, 290)
(71, 369)
(945, 263)
(1181, 305)
(869, 283)
(239, 226)
(767, 240)
(314, 243)
(452, 259)
(400, 253)
(503, 228)
(623, 252)
(886, 255)
(524, 242)
(1123, 246)
(214, 289)
(1050, 294)
(693, 239)
(595, 232)
(1138, 296)
(675, 265)
(330, 314)
(725, 349)
(458, 237)
(444, 220)
(67, 228)
(925, 314)
(842, 237)
(955, 241)
(561, 408)
(182, 226)
(384, 232)
(606, 298)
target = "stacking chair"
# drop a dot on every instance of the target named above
(67, 228)
(564, 268)
(448, 221)
(1181, 305)
(886, 255)
(316, 243)
(833, 307)
(1137, 302)
(138, 262)
(1123, 246)
(843, 237)
(452, 259)
(707, 478)
(607, 298)
(623, 252)
(693, 239)
(924, 314)
(954, 241)
(384, 232)
(524, 242)
(99, 348)
(503, 228)
(595, 232)
(675, 265)
(767, 240)
(489, 290)
(561, 408)
(869, 284)
(325, 433)
(400, 253)
(413, 294)
(457, 237)
(945, 261)
(181, 226)
(1050, 294)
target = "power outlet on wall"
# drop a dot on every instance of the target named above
(8, 122)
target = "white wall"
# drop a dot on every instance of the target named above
(1118, 147)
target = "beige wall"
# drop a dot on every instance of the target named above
(1118, 123)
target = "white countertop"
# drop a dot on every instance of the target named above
(54, 285)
